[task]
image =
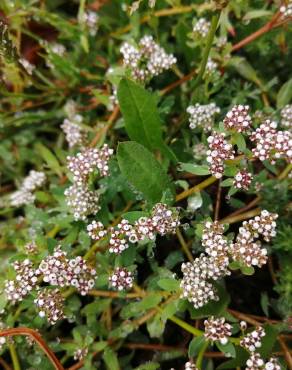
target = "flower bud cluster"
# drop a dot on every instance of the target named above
(80, 354)
(26, 279)
(202, 115)
(286, 10)
(91, 19)
(242, 180)
(60, 271)
(238, 118)
(245, 249)
(147, 60)
(121, 279)
(50, 304)
(202, 27)
(162, 221)
(85, 162)
(197, 276)
(190, 366)
(24, 195)
(216, 329)
(211, 67)
(270, 143)
(253, 340)
(196, 284)
(213, 240)
(31, 248)
(272, 364)
(255, 362)
(286, 116)
(27, 65)
(96, 230)
(219, 151)
(72, 130)
(82, 200)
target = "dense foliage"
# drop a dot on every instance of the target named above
(145, 164)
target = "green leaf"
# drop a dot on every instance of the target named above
(259, 13)
(141, 116)
(142, 170)
(265, 303)
(50, 158)
(170, 285)
(241, 356)
(148, 366)
(110, 359)
(239, 141)
(245, 69)
(195, 345)
(194, 169)
(227, 348)
(285, 94)
(226, 183)
(247, 270)
(156, 326)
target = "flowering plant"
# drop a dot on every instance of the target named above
(146, 152)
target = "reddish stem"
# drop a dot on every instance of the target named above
(38, 339)
(266, 28)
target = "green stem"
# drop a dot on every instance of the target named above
(210, 38)
(196, 332)
(201, 355)
(14, 357)
(202, 185)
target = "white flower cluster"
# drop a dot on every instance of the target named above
(96, 230)
(91, 19)
(25, 280)
(25, 194)
(190, 366)
(286, 116)
(60, 271)
(57, 48)
(255, 362)
(72, 130)
(216, 329)
(56, 270)
(253, 340)
(80, 354)
(50, 304)
(31, 248)
(87, 161)
(238, 118)
(221, 42)
(197, 279)
(211, 68)
(202, 27)
(286, 10)
(147, 60)
(27, 65)
(196, 276)
(162, 220)
(82, 200)
(245, 249)
(242, 180)
(121, 279)
(219, 151)
(202, 115)
(270, 143)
